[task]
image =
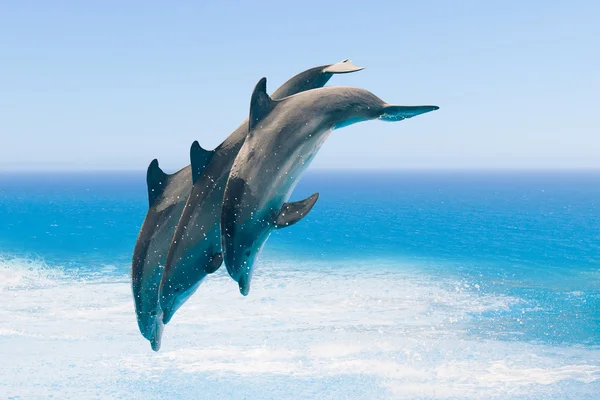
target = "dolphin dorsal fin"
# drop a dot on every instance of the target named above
(293, 212)
(261, 103)
(156, 180)
(199, 158)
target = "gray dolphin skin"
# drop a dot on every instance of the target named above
(167, 195)
(195, 250)
(284, 137)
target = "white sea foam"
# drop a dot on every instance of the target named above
(20, 273)
(318, 332)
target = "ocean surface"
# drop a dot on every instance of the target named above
(398, 285)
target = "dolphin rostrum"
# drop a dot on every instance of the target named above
(284, 137)
(167, 196)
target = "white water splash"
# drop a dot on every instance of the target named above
(305, 331)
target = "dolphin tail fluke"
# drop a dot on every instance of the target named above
(293, 212)
(156, 180)
(398, 113)
(343, 67)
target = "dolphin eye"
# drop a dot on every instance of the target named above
(248, 253)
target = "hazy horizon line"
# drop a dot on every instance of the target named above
(321, 169)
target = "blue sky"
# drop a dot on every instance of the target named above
(112, 84)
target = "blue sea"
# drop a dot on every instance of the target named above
(397, 285)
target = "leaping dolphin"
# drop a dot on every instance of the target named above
(285, 135)
(167, 196)
(196, 248)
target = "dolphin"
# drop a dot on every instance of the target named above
(284, 137)
(195, 250)
(167, 196)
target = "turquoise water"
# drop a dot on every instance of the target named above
(396, 285)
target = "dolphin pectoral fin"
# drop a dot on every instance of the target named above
(199, 159)
(156, 180)
(343, 67)
(260, 104)
(293, 212)
(215, 263)
(398, 113)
